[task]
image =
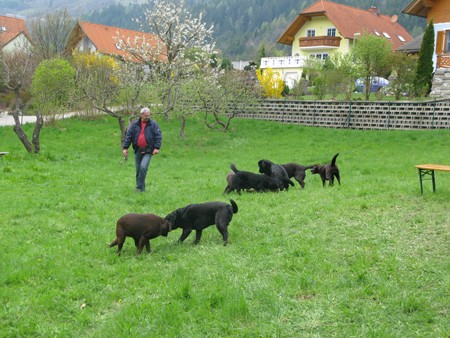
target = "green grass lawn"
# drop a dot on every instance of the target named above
(367, 258)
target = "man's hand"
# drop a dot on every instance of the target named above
(125, 153)
(155, 151)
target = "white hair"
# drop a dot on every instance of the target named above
(145, 110)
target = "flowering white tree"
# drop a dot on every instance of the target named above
(180, 45)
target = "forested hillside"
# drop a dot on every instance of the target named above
(241, 26)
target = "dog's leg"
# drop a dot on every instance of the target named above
(119, 245)
(224, 233)
(330, 180)
(142, 241)
(184, 235)
(338, 178)
(113, 243)
(147, 245)
(302, 184)
(198, 236)
(300, 178)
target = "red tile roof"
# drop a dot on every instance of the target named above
(103, 37)
(13, 27)
(348, 21)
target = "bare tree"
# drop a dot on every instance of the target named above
(220, 98)
(18, 68)
(50, 33)
(113, 87)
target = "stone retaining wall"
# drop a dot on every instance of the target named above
(441, 83)
(433, 114)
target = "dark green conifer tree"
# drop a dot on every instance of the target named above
(424, 71)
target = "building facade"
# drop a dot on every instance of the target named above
(326, 27)
(13, 34)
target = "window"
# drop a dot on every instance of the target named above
(311, 32)
(319, 56)
(376, 33)
(331, 32)
(447, 41)
(401, 38)
(386, 35)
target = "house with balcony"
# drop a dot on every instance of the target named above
(439, 12)
(326, 27)
(13, 34)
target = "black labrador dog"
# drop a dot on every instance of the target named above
(328, 172)
(276, 171)
(294, 170)
(246, 180)
(200, 216)
(142, 228)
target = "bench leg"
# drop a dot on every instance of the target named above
(422, 173)
(420, 179)
(432, 180)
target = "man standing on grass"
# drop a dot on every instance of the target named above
(145, 136)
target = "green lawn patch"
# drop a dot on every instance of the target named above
(366, 258)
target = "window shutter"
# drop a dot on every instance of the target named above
(440, 42)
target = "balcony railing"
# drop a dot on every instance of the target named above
(282, 62)
(443, 61)
(320, 41)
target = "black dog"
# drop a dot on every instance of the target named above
(200, 216)
(297, 171)
(328, 172)
(290, 169)
(276, 171)
(142, 227)
(248, 180)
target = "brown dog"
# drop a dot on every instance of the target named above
(229, 181)
(328, 172)
(142, 227)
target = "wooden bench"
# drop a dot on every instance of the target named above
(428, 169)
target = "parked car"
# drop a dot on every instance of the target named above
(377, 83)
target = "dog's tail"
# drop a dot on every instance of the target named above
(233, 167)
(333, 161)
(234, 206)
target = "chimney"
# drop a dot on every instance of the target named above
(373, 10)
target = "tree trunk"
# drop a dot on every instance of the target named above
(22, 136)
(367, 84)
(183, 128)
(123, 130)
(17, 126)
(37, 132)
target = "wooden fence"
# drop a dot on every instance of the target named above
(433, 114)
